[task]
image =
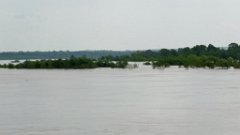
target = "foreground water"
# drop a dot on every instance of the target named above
(140, 101)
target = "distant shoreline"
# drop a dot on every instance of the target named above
(199, 56)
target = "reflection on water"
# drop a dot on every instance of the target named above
(139, 101)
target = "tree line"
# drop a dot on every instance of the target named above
(197, 56)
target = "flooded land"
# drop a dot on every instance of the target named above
(105, 101)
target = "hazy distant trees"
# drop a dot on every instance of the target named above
(58, 54)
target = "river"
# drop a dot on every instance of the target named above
(103, 101)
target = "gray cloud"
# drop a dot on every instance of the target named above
(116, 24)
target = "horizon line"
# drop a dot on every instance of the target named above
(92, 50)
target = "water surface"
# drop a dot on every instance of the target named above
(140, 101)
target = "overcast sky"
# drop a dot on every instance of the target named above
(116, 24)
